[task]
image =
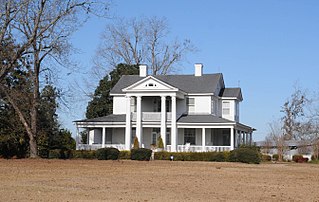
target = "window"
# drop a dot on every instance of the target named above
(108, 138)
(226, 108)
(191, 105)
(155, 134)
(189, 136)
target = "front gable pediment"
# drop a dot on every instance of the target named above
(149, 84)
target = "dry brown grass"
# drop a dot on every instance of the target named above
(93, 180)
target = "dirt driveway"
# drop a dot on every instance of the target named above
(93, 180)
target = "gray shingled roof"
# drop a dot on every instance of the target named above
(206, 83)
(202, 119)
(109, 118)
(231, 92)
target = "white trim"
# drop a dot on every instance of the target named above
(129, 88)
(191, 94)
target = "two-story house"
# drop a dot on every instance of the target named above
(190, 112)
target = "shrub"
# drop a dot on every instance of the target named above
(125, 155)
(141, 154)
(245, 155)
(84, 154)
(160, 143)
(136, 144)
(218, 156)
(275, 157)
(107, 154)
(60, 154)
(266, 158)
(297, 157)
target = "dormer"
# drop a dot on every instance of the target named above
(231, 97)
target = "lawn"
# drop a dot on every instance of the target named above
(93, 180)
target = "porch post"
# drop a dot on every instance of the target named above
(139, 120)
(203, 139)
(173, 125)
(103, 137)
(128, 129)
(245, 141)
(231, 138)
(250, 138)
(163, 120)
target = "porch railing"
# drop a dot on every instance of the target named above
(152, 116)
(99, 146)
(199, 148)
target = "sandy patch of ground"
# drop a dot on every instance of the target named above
(93, 180)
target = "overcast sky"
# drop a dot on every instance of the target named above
(264, 47)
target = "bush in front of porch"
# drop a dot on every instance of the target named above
(193, 156)
(245, 155)
(141, 154)
(107, 154)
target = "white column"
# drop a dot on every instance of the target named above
(163, 120)
(203, 139)
(139, 120)
(103, 137)
(173, 125)
(245, 141)
(250, 138)
(231, 138)
(128, 124)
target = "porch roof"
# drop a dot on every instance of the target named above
(202, 119)
(109, 118)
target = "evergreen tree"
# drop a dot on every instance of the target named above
(102, 103)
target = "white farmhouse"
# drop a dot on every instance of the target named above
(190, 112)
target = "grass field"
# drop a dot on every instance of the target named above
(93, 180)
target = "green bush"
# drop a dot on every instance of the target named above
(125, 155)
(84, 154)
(266, 158)
(192, 156)
(275, 157)
(141, 154)
(107, 154)
(60, 154)
(245, 155)
(218, 156)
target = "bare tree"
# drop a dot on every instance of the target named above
(40, 30)
(293, 110)
(276, 134)
(137, 41)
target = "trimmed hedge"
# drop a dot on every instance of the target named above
(125, 155)
(245, 155)
(141, 154)
(84, 154)
(107, 154)
(192, 156)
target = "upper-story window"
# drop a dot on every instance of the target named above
(226, 108)
(191, 105)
